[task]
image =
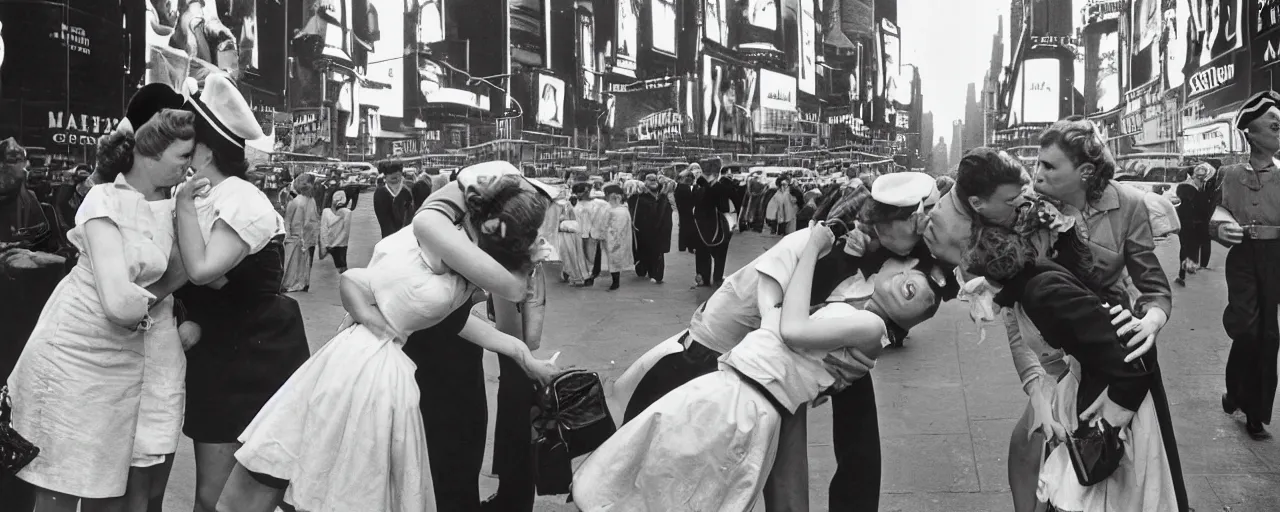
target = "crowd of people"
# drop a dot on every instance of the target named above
(170, 318)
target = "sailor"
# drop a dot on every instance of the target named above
(1247, 219)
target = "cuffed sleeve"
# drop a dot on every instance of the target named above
(1025, 360)
(1143, 266)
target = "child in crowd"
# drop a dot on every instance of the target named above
(335, 230)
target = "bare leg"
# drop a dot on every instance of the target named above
(51, 501)
(214, 462)
(787, 488)
(244, 493)
(1025, 457)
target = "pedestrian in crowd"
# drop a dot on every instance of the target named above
(352, 188)
(366, 447)
(736, 308)
(421, 189)
(566, 239)
(805, 215)
(1076, 168)
(1247, 219)
(67, 197)
(753, 209)
(1193, 213)
(303, 224)
(392, 201)
(592, 211)
(618, 237)
(651, 216)
(712, 207)
(1071, 309)
(335, 231)
(76, 395)
(231, 240)
(724, 426)
(684, 210)
(783, 207)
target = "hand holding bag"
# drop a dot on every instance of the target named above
(571, 419)
(15, 451)
(1095, 452)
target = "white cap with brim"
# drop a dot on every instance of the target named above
(904, 189)
(483, 173)
(223, 116)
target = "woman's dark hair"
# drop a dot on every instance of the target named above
(506, 218)
(231, 164)
(1000, 254)
(390, 167)
(982, 170)
(115, 150)
(1079, 139)
(874, 212)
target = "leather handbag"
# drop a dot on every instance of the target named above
(1095, 452)
(571, 419)
(15, 451)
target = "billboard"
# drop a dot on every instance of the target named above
(1036, 95)
(1176, 21)
(891, 67)
(727, 96)
(386, 62)
(1102, 68)
(550, 101)
(648, 113)
(763, 14)
(626, 37)
(316, 36)
(808, 63)
(1216, 29)
(528, 44)
(777, 113)
(715, 21)
(663, 17)
(587, 55)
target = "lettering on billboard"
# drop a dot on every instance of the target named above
(777, 91)
(807, 67)
(727, 95)
(657, 126)
(1216, 29)
(1211, 79)
(1266, 51)
(1268, 15)
(624, 56)
(310, 129)
(663, 13)
(79, 129)
(1035, 96)
(1102, 10)
(550, 101)
(715, 24)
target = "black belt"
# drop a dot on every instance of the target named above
(1262, 233)
(763, 391)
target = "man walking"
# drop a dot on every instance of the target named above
(1247, 219)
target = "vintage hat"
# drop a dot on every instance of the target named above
(905, 189)
(11, 152)
(1255, 107)
(147, 102)
(223, 117)
(482, 173)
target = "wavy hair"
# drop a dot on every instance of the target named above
(1080, 140)
(506, 218)
(116, 150)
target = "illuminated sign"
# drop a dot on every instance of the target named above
(777, 91)
(1268, 15)
(1266, 51)
(1211, 79)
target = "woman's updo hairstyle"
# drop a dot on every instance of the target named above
(506, 218)
(1079, 139)
(116, 149)
(998, 253)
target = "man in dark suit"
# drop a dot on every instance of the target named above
(392, 202)
(684, 210)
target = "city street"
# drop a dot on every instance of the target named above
(947, 401)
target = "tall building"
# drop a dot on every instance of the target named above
(1047, 17)
(939, 164)
(991, 83)
(926, 140)
(973, 124)
(957, 136)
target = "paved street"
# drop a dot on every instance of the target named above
(947, 402)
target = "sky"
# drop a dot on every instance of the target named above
(950, 42)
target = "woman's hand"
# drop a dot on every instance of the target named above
(1104, 409)
(1145, 330)
(856, 242)
(1042, 414)
(543, 370)
(541, 252)
(192, 188)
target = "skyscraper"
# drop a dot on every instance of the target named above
(972, 119)
(957, 136)
(939, 164)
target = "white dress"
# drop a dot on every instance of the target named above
(346, 430)
(77, 386)
(164, 378)
(709, 444)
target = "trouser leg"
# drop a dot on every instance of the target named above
(657, 267)
(720, 254)
(1250, 322)
(1206, 250)
(855, 487)
(512, 438)
(702, 263)
(455, 413)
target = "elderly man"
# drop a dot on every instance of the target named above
(1247, 219)
(889, 216)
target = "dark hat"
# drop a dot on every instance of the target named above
(149, 101)
(223, 117)
(1255, 107)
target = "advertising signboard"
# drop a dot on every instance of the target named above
(1213, 139)
(891, 69)
(663, 17)
(1102, 68)
(1176, 21)
(727, 95)
(763, 14)
(220, 36)
(626, 37)
(1266, 15)
(777, 112)
(715, 21)
(647, 113)
(386, 62)
(311, 129)
(528, 44)
(550, 101)
(587, 56)
(1035, 97)
(807, 67)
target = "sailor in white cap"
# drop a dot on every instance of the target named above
(1247, 219)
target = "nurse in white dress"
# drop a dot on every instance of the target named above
(346, 431)
(724, 427)
(77, 387)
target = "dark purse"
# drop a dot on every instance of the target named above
(1095, 452)
(15, 451)
(572, 419)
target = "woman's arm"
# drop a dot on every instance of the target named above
(800, 330)
(175, 276)
(1025, 360)
(488, 337)
(357, 299)
(208, 263)
(121, 300)
(435, 230)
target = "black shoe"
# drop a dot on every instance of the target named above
(1229, 405)
(1180, 281)
(589, 282)
(613, 287)
(1256, 430)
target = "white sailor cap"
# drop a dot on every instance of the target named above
(903, 189)
(223, 116)
(483, 173)
(1255, 107)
